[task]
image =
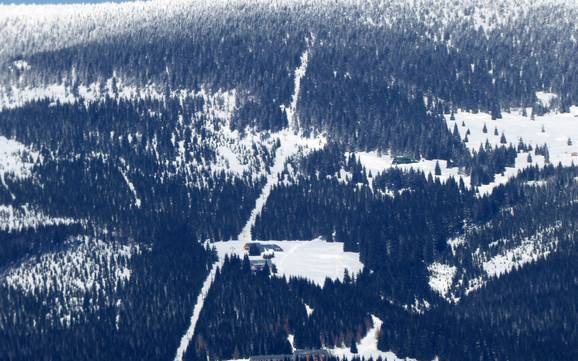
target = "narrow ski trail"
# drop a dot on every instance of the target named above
(290, 144)
(188, 336)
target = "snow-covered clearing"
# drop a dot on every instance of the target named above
(188, 336)
(558, 128)
(558, 131)
(546, 98)
(377, 163)
(531, 250)
(496, 259)
(15, 96)
(367, 346)
(66, 277)
(16, 159)
(441, 277)
(314, 260)
(15, 219)
(16, 162)
(456, 243)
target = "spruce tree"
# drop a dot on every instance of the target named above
(438, 170)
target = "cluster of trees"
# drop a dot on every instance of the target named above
(249, 313)
(143, 319)
(387, 91)
(90, 149)
(380, 76)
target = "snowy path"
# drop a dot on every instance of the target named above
(131, 187)
(281, 156)
(291, 144)
(188, 336)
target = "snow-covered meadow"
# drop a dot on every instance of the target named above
(559, 131)
(315, 260)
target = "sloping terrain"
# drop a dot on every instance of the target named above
(415, 162)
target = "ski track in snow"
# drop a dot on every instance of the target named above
(291, 144)
(131, 187)
(289, 147)
(188, 336)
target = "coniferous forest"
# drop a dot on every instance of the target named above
(137, 138)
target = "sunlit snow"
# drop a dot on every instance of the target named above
(367, 347)
(314, 260)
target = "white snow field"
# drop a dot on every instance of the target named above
(560, 135)
(441, 277)
(558, 128)
(314, 260)
(367, 346)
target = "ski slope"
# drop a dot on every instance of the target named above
(291, 143)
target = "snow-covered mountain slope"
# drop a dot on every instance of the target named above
(16, 159)
(553, 129)
(491, 261)
(558, 131)
(86, 267)
(239, 154)
(31, 29)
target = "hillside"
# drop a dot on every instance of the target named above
(190, 179)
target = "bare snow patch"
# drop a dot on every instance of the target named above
(552, 129)
(16, 159)
(367, 347)
(377, 163)
(505, 262)
(455, 243)
(21, 65)
(441, 278)
(308, 309)
(545, 98)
